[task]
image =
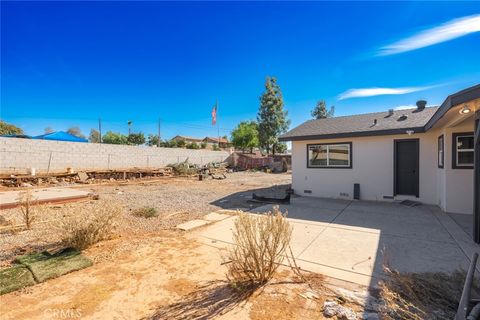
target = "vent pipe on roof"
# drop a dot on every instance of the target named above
(390, 112)
(421, 105)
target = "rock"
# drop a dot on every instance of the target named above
(345, 313)
(83, 176)
(24, 184)
(331, 308)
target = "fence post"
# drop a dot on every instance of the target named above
(49, 162)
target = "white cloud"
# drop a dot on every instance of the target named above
(370, 92)
(448, 31)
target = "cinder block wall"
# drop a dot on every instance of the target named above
(19, 155)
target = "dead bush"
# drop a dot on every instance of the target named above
(28, 214)
(80, 229)
(146, 212)
(260, 245)
(418, 296)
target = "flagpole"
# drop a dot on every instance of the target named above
(218, 128)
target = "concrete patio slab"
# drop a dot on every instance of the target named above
(213, 216)
(192, 224)
(465, 221)
(347, 250)
(351, 240)
(415, 224)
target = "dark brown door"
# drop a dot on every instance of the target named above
(406, 163)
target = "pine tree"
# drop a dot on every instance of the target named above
(320, 110)
(272, 119)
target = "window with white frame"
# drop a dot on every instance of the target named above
(463, 150)
(329, 155)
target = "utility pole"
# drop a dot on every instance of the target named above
(158, 143)
(100, 129)
(129, 126)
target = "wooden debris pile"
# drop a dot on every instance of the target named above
(91, 176)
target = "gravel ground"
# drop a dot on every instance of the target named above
(176, 199)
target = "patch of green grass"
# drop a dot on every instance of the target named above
(46, 266)
(146, 212)
(15, 278)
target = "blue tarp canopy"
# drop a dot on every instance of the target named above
(60, 136)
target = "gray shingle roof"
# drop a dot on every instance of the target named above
(362, 125)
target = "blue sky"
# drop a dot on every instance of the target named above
(69, 63)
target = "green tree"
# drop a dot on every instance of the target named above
(94, 136)
(169, 144)
(203, 145)
(114, 138)
(7, 128)
(152, 140)
(136, 138)
(281, 147)
(193, 145)
(181, 143)
(76, 132)
(245, 135)
(320, 110)
(215, 147)
(272, 118)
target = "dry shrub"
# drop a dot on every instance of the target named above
(28, 214)
(146, 212)
(80, 229)
(260, 245)
(418, 296)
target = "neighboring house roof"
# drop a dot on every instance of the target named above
(363, 124)
(215, 139)
(60, 136)
(369, 124)
(186, 138)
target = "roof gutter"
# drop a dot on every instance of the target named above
(353, 134)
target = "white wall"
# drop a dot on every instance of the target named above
(373, 169)
(17, 155)
(458, 195)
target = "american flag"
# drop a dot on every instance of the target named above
(214, 115)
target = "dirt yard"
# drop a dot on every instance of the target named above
(150, 270)
(177, 200)
(166, 276)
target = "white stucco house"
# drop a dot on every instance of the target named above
(430, 155)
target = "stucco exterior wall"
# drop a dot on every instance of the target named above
(373, 169)
(458, 196)
(18, 155)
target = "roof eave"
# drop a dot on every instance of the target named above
(452, 100)
(353, 134)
